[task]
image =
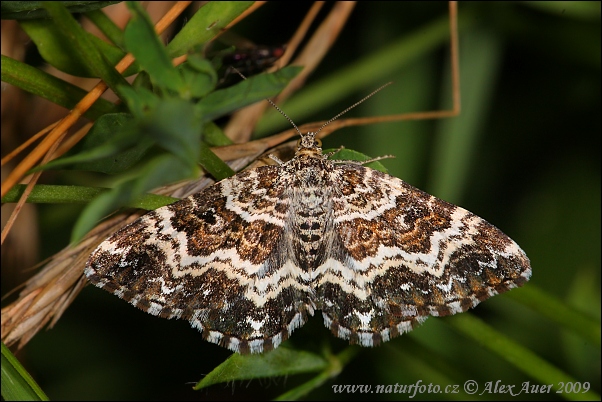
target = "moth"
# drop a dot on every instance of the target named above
(250, 258)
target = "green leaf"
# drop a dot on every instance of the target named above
(50, 194)
(142, 41)
(78, 44)
(214, 136)
(351, 155)
(28, 10)
(214, 165)
(458, 138)
(336, 363)
(278, 362)
(205, 24)
(60, 52)
(582, 10)
(140, 100)
(559, 311)
(50, 87)
(246, 92)
(113, 144)
(116, 141)
(199, 76)
(17, 384)
(121, 154)
(107, 27)
(174, 125)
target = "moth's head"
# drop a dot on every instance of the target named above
(309, 145)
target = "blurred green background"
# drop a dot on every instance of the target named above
(524, 154)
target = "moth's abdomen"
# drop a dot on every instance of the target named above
(309, 220)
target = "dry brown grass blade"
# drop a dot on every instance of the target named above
(52, 154)
(47, 294)
(242, 123)
(318, 45)
(27, 143)
(300, 32)
(15, 212)
(71, 141)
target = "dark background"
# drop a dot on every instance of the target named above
(524, 155)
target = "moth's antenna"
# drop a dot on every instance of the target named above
(273, 104)
(284, 114)
(329, 121)
(352, 106)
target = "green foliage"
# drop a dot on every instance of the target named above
(33, 10)
(205, 25)
(17, 384)
(49, 87)
(169, 107)
(279, 362)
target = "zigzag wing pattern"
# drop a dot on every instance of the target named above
(218, 259)
(402, 255)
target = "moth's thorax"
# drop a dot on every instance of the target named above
(310, 168)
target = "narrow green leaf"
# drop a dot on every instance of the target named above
(151, 202)
(96, 210)
(279, 362)
(116, 141)
(111, 146)
(140, 100)
(174, 125)
(214, 165)
(51, 194)
(50, 87)
(17, 384)
(205, 24)
(199, 76)
(351, 155)
(159, 171)
(112, 132)
(335, 366)
(457, 138)
(58, 53)
(142, 81)
(28, 10)
(583, 10)
(559, 312)
(78, 42)
(48, 194)
(214, 136)
(142, 40)
(246, 92)
(107, 27)
(519, 356)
